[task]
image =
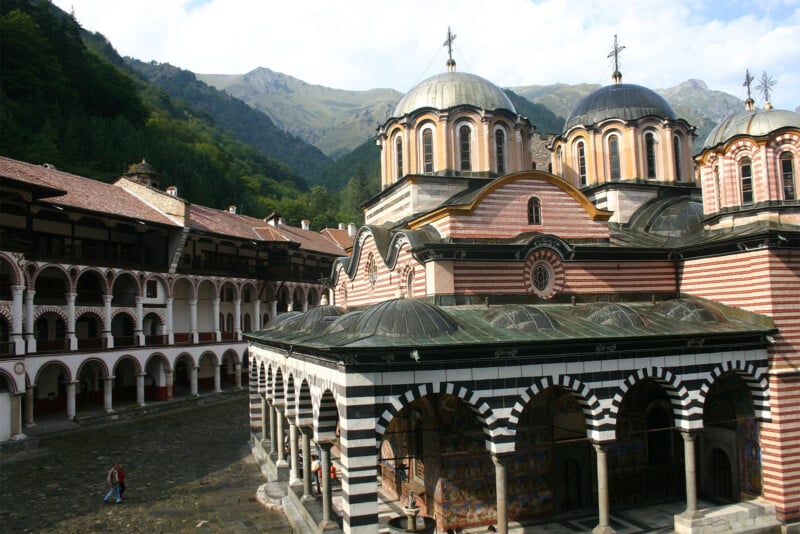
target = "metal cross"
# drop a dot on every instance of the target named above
(449, 42)
(615, 52)
(765, 84)
(747, 81)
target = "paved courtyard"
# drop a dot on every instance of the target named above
(186, 471)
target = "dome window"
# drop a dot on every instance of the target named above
(613, 158)
(580, 153)
(534, 211)
(676, 154)
(398, 154)
(464, 135)
(427, 150)
(500, 150)
(650, 154)
(746, 178)
(787, 174)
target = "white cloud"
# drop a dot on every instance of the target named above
(362, 44)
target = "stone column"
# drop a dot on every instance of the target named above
(279, 445)
(193, 320)
(257, 313)
(265, 416)
(691, 475)
(237, 319)
(170, 379)
(17, 320)
(30, 336)
(106, 334)
(603, 526)
(294, 471)
(237, 368)
(217, 326)
(273, 310)
(140, 388)
(501, 485)
(138, 332)
(169, 321)
(327, 498)
(306, 433)
(107, 386)
(273, 428)
(29, 398)
(193, 381)
(72, 339)
(217, 380)
(71, 399)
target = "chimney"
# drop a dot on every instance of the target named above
(270, 222)
(341, 226)
(232, 209)
(351, 229)
(172, 191)
(305, 224)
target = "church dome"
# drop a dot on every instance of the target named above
(450, 89)
(404, 318)
(620, 101)
(754, 123)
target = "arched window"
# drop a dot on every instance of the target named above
(676, 153)
(559, 166)
(410, 283)
(580, 152)
(534, 211)
(787, 174)
(650, 154)
(427, 151)
(500, 150)
(746, 177)
(464, 135)
(613, 157)
(398, 154)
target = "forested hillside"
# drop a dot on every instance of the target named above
(81, 109)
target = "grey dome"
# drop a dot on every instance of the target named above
(519, 317)
(404, 318)
(619, 101)
(451, 89)
(689, 311)
(611, 314)
(754, 123)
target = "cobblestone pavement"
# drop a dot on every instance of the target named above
(187, 471)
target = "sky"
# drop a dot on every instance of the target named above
(366, 44)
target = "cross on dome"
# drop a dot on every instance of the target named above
(451, 64)
(615, 51)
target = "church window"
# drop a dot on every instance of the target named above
(559, 166)
(650, 154)
(613, 157)
(542, 276)
(581, 153)
(410, 283)
(398, 152)
(464, 142)
(427, 151)
(534, 211)
(676, 153)
(746, 177)
(787, 174)
(500, 150)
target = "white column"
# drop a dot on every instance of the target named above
(71, 399)
(140, 388)
(193, 381)
(306, 433)
(72, 339)
(273, 309)
(279, 445)
(257, 313)
(170, 326)
(29, 398)
(603, 526)
(237, 319)
(217, 326)
(193, 319)
(294, 471)
(30, 338)
(138, 332)
(217, 380)
(107, 321)
(107, 385)
(17, 319)
(265, 417)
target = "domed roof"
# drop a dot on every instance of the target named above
(611, 314)
(689, 311)
(404, 318)
(519, 317)
(622, 101)
(754, 123)
(451, 89)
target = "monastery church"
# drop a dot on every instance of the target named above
(512, 342)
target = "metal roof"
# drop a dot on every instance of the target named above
(619, 101)
(451, 89)
(754, 123)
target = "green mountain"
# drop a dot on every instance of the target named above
(69, 100)
(334, 120)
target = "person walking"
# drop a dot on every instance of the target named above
(121, 479)
(112, 479)
(315, 471)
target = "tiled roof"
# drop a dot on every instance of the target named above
(205, 219)
(83, 193)
(309, 240)
(339, 236)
